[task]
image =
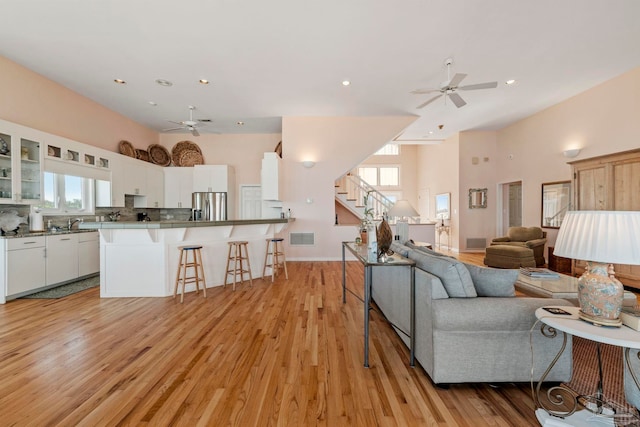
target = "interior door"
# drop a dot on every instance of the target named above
(250, 201)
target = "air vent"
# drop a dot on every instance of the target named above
(302, 239)
(476, 243)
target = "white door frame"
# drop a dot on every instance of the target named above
(500, 208)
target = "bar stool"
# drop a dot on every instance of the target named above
(277, 257)
(236, 255)
(198, 270)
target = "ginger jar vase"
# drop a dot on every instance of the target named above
(600, 295)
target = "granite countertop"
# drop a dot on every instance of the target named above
(89, 226)
(27, 233)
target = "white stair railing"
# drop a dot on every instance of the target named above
(357, 189)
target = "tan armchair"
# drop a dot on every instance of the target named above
(528, 237)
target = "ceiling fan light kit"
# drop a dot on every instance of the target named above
(450, 87)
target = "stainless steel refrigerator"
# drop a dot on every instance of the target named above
(207, 206)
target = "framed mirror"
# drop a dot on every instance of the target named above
(556, 201)
(477, 198)
(443, 206)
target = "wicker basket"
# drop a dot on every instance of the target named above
(190, 158)
(127, 149)
(181, 146)
(159, 155)
(142, 155)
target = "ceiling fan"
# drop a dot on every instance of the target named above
(451, 86)
(189, 125)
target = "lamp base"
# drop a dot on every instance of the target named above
(600, 295)
(599, 321)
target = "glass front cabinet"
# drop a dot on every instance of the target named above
(20, 169)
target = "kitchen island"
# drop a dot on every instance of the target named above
(140, 259)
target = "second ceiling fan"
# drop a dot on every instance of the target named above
(450, 87)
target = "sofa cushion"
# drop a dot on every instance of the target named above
(400, 249)
(493, 282)
(522, 234)
(426, 250)
(452, 273)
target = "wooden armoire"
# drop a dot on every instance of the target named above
(611, 183)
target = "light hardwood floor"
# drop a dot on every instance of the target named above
(288, 353)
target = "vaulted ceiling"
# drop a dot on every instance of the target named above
(268, 59)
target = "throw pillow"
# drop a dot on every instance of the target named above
(452, 273)
(493, 282)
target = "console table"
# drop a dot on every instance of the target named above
(360, 252)
(596, 404)
(446, 229)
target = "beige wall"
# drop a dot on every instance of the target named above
(32, 100)
(408, 162)
(602, 120)
(336, 144)
(243, 151)
(438, 172)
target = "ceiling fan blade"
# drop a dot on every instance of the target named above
(424, 104)
(178, 123)
(457, 100)
(170, 129)
(457, 78)
(488, 85)
(423, 91)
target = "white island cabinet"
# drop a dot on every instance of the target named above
(140, 259)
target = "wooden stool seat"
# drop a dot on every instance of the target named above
(239, 254)
(275, 249)
(195, 264)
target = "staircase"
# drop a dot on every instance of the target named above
(351, 191)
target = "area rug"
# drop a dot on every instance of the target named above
(585, 372)
(66, 290)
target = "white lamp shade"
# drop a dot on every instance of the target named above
(402, 208)
(600, 236)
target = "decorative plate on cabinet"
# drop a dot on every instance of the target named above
(127, 149)
(142, 155)
(159, 155)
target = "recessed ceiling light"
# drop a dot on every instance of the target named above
(510, 82)
(120, 81)
(240, 123)
(346, 83)
(153, 103)
(203, 81)
(163, 82)
(430, 132)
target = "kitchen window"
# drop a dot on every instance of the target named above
(67, 194)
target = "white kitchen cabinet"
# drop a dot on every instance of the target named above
(178, 186)
(217, 178)
(270, 176)
(155, 186)
(24, 265)
(134, 175)
(88, 253)
(20, 165)
(61, 258)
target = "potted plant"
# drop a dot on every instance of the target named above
(367, 218)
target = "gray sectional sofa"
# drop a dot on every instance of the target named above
(470, 327)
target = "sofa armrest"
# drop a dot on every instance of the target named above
(536, 242)
(500, 239)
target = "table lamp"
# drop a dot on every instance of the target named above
(601, 238)
(402, 210)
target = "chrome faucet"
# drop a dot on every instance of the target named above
(71, 222)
